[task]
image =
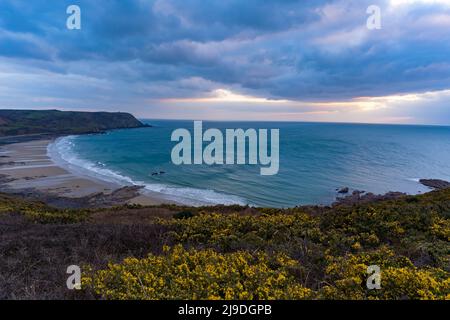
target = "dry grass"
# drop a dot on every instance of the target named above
(34, 257)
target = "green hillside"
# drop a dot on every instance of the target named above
(23, 122)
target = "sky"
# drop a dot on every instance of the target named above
(278, 60)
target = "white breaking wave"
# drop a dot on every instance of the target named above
(62, 152)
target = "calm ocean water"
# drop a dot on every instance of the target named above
(315, 159)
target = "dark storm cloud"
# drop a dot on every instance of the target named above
(296, 50)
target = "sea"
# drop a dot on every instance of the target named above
(315, 161)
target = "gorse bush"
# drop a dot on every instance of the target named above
(233, 231)
(261, 253)
(419, 230)
(206, 274)
(199, 274)
(400, 279)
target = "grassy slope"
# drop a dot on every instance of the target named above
(21, 122)
(330, 248)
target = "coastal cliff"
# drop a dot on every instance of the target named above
(24, 122)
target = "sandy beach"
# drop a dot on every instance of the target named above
(26, 166)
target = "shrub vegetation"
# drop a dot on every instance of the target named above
(298, 253)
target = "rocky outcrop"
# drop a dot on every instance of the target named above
(116, 198)
(435, 183)
(343, 190)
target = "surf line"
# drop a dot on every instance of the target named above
(235, 147)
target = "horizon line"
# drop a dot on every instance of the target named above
(300, 121)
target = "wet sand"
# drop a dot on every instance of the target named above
(26, 166)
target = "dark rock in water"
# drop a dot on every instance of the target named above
(162, 172)
(344, 190)
(435, 183)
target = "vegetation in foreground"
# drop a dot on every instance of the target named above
(170, 252)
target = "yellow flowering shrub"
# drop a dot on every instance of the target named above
(199, 274)
(441, 228)
(242, 253)
(230, 231)
(346, 278)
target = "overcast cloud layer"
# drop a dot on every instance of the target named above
(247, 60)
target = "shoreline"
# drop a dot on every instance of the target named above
(26, 169)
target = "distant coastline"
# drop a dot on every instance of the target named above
(23, 123)
(26, 169)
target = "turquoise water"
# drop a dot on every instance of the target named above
(315, 159)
